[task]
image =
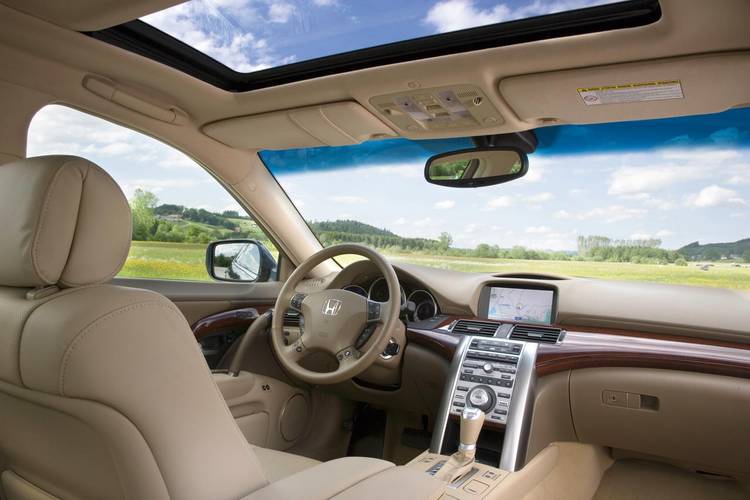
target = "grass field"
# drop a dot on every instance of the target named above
(187, 261)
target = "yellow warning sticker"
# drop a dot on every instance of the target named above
(631, 92)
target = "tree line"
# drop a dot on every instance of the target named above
(152, 222)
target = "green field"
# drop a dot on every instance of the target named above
(187, 261)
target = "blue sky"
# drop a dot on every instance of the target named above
(681, 180)
(248, 35)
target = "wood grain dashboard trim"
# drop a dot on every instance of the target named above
(592, 350)
(234, 318)
(590, 347)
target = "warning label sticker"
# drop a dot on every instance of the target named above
(632, 92)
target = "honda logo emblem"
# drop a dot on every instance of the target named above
(331, 307)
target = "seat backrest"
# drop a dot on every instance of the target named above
(104, 392)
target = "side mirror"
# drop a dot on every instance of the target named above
(240, 261)
(476, 167)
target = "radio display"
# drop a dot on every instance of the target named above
(528, 305)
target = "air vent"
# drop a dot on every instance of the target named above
(291, 318)
(536, 333)
(468, 327)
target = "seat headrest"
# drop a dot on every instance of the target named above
(64, 222)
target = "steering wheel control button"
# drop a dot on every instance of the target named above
(297, 300)
(373, 311)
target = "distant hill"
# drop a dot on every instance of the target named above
(352, 231)
(348, 226)
(715, 251)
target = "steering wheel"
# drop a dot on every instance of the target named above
(335, 321)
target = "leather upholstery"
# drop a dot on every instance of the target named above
(66, 222)
(277, 465)
(104, 392)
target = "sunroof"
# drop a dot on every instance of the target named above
(252, 35)
(241, 45)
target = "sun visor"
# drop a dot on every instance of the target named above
(635, 91)
(335, 124)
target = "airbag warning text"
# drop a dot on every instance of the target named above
(631, 92)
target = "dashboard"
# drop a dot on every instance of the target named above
(419, 303)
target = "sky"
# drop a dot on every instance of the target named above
(679, 180)
(250, 35)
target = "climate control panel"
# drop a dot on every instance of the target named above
(488, 372)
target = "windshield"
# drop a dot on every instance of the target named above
(659, 200)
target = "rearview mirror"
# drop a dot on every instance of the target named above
(240, 260)
(476, 167)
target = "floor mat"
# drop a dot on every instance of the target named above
(368, 435)
(641, 480)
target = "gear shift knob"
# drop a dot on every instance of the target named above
(472, 420)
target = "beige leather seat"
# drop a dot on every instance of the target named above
(103, 390)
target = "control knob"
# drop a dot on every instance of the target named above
(481, 397)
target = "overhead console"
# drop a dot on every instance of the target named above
(458, 107)
(334, 124)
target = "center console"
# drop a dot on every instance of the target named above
(493, 371)
(487, 377)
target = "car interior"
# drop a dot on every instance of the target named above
(295, 372)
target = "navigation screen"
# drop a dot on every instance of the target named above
(520, 304)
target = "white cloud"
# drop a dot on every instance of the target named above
(538, 199)
(677, 166)
(613, 213)
(714, 195)
(157, 186)
(535, 174)
(451, 15)
(400, 221)
(538, 230)
(640, 236)
(499, 202)
(408, 170)
(325, 3)
(348, 199)
(206, 28)
(664, 233)
(280, 12)
(234, 206)
(635, 180)
(443, 205)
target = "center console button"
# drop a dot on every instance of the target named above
(482, 398)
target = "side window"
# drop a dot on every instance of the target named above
(178, 208)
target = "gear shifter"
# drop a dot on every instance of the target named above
(472, 420)
(460, 462)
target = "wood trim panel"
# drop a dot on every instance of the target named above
(235, 318)
(590, 347)
(591, 350)
(444, 344)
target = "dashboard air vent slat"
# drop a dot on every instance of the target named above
(291, 318)
(469, 327)
(545, 334)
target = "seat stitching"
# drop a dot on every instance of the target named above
(125, 244)
(90, 327)
(41, 222)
